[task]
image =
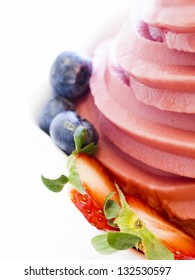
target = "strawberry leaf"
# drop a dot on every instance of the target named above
(126, 219)
(129, 222)
(112, 223)
(111, 208)
(122, 197)
(121, 240)
(55, 185)
(73, 175)
(154, 249)
(80, 137)
(90, 149)
(101, 245)
(111, 242)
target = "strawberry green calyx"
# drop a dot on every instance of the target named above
(57, 185)
(112, 242)
(80, 137)
(133, 232)
(124, 229)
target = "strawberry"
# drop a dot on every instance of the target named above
(101, 202)
(95, 178)
(181, 244)
(90, 210)
(98, 184)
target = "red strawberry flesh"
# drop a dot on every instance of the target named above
(90, 209)
(98, 184)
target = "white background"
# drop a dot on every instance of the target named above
(35, 223)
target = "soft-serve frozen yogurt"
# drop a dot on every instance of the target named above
(142, 102)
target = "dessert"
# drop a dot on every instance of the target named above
(142, 104)
(156, 147)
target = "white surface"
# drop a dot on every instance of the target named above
(36, 223)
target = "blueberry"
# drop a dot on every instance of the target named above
(70, 74)
(50, 109)
(62, 130)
